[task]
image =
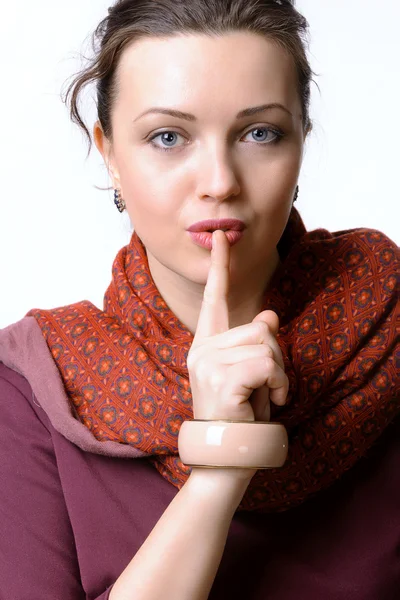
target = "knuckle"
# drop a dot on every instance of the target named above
(216, 380)
(201, 369)
(204, 371)
(194, 360)
(268, 352)
(263, 328)
(270, 363)
(191, 359)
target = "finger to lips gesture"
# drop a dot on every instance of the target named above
(227, 366)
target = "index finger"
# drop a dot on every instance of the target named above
(214, 312)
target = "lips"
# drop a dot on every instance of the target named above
(204, 238)
(213, 224)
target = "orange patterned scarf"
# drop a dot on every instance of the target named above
(336, 295)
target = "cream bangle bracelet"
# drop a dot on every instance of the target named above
(232, 444)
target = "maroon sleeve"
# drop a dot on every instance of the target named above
(37, 551)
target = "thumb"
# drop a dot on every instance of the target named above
(262, 396)
(271, 318)
(260, 403)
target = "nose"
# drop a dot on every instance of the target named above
(217, 179)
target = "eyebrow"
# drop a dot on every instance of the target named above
(247, 112)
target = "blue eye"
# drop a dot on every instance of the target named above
(164, 133)
(278, 136)
(276, 133)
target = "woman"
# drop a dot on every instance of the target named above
(203, 115)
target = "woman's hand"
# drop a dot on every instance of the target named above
(225, 365)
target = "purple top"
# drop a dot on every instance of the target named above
(72, 519)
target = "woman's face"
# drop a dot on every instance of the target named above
(174, 171)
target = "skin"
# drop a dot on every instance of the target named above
(217, 167)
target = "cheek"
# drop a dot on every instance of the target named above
(277, 178)
(149, 196)
(274, 201)
(148, 188)
(289, 166)
(275, 193)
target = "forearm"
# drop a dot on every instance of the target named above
(180, 558)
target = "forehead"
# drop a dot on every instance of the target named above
(235, 68)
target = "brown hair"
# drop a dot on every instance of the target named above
(130, 20)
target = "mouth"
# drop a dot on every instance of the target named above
(216, 229)
(204, 238)
(211, 225)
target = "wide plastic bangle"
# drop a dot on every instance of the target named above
(232, 444)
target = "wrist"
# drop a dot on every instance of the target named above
(224, 483)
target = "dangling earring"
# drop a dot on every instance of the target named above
(119, 202)
(296, 194)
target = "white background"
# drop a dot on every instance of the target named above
(59, 235)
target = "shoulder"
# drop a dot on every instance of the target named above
(362, 263)
(26, 365)
(10, 378)
(18, 402)
(368, 243)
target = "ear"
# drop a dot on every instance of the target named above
(104, 147)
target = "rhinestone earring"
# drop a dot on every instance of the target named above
(119, 202)
(296, 194)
